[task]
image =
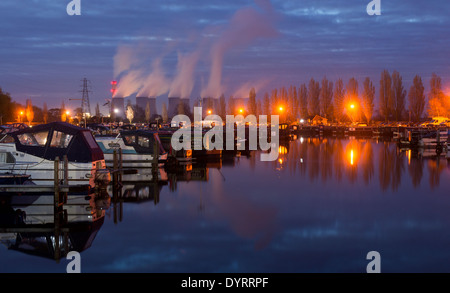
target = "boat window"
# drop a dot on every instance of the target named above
(90, 140)
(7, 157)
(144, 141)
(60, 140)
(33, 139)
(129, 139)
(7, 139)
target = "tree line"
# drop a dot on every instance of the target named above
(337, 101)
(349, 101)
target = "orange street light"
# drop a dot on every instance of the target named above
(209, 112)
(352, 106)
(241, 110)
(280, 108)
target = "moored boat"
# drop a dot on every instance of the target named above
(138, 148)
(33, 151)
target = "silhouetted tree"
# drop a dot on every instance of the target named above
(252, 102)
(45, 113)
(416, 99)
(339, 100)
(385, 95)
(398, 95)
(303, 101)
(326, 98)
(367, 99)
(313, 97)
(436, 98)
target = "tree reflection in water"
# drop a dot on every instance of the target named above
(357, 160)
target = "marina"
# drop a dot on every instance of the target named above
(154, 140)
(175, 202)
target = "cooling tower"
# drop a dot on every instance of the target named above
(173, 106)
(141, 102)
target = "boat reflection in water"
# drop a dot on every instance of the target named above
(147, 186)
(32, 223)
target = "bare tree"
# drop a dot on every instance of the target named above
(436, 98)
(45, 113)
(252, 102)
(352, 99)
(398, 95)
(326, 98)
(63, 112)
(266, 104)
(385, 94)
(29, 111)
(339, 98)
(258, 108)
(416, 99)
(129, 111)
(303, 100)
(231, 106)
(314, 97)
(367, 99)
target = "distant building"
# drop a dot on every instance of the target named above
(174, 106)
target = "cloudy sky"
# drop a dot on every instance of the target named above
(207, 47)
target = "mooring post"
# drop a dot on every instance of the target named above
(56, 207)
(66, 170)
(56, 181)
(115, 168)
(155, 163)
(120, 165)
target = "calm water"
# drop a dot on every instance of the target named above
(320, 208)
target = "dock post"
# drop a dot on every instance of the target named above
(115, 168)
(155, 164)
(56, 180)
(120, 165)
(66, 170)
(56, 208)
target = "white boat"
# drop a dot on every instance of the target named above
(33, 151)
(137, 148)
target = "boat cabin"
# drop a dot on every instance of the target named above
(143, 141)
(57, 139)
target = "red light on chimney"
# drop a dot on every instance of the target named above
(113, 87)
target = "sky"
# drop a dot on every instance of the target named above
(207, 47)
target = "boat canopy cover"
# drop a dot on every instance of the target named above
(142, 140)
(58, 139)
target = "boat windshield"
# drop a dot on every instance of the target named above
(60, 140)
(33, 139)
(144, 141)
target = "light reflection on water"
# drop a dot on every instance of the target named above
(321, 207)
